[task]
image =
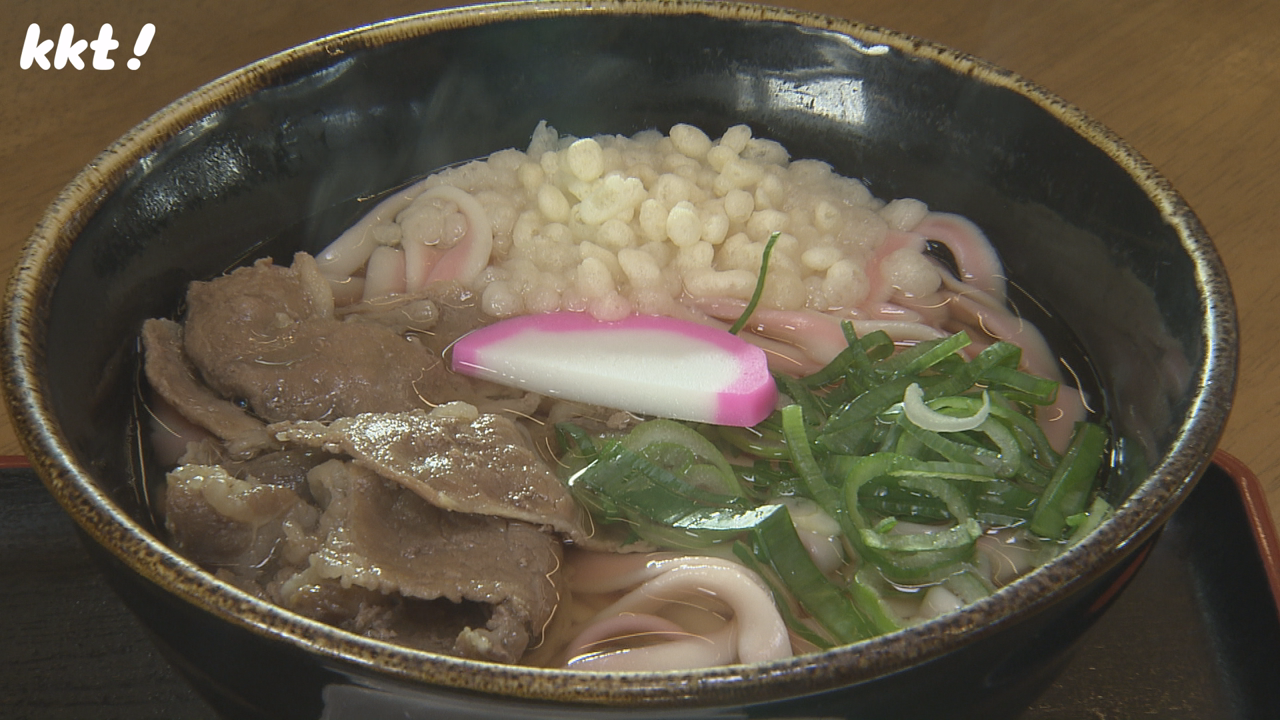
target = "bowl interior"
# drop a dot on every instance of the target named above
(283, 156)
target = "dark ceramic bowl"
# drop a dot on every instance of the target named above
(272, 158)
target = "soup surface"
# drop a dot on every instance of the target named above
(918, 449)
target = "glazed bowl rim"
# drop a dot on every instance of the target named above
(1137, 520)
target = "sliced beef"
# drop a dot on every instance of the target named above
(404, 314)
(267, 335)
(443, 312)
(356, 506)
(453, 458)
(380, 537)
(372, 558)
(174, 380)
(431, 625)
(225, 522)
(286, 467)
(460, 313)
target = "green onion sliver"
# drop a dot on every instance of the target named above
(1030, 388)
(868, 405)
(913, 405)
(625, 485)
(969, 586)
(877, 344)
(806, 466)
(776, 543)
(854, 358)
(1028, 427)
(1069, 488)
(782, 597)
(975, 472)
(755, 296)
(950, 449)
(814, 412)
(662, 431)
(962, 534)
(1009, 459)
(965, 376)
(868, 592)
(568, 434)
(922, 356)
(915, 558)
(1099, 511)
(753, 442)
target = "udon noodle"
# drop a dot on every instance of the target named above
(321, 454)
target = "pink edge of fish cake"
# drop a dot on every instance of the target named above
(518, 350)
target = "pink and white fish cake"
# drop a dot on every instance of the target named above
(643, 364)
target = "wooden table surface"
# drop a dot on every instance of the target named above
(1194, 85)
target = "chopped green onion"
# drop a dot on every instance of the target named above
(1028, 388)
(966, 375)
(922, 356)
(1068, 490)
(868, 405)
(775, 541)
(815, 414)
(953, 450)
(781, 597)
(856, 357)
(869, 590)
(880, 439)
(962, 534)
(943, 469)
(763, 444)
(1100, 510)
(926, 417)
(575, 440)
(886, 524)
(969, 586)
(1009, 453)
(755, 296)
(662, 432)
(793, 429)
